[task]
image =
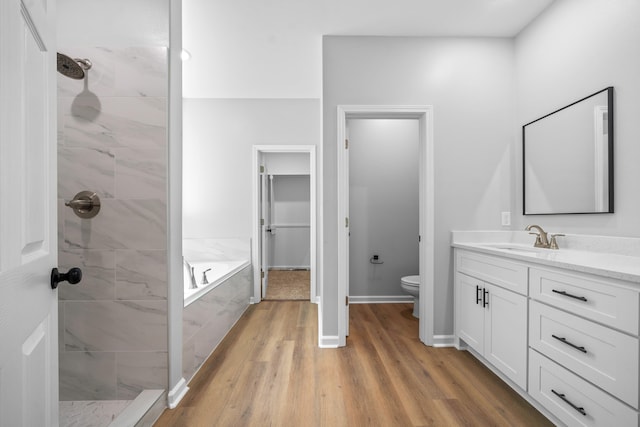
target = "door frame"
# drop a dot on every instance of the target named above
(257, 152)
(424, 115)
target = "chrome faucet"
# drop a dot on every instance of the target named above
(541, 237)
(192, 274)
(204, 277)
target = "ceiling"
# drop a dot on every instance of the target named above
(273, 48)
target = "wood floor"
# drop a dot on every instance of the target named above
(269, 371)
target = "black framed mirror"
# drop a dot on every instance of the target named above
(567, 158)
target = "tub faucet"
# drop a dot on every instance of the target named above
(541, 236)
(204, 277)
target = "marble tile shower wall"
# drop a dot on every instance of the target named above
(113, 140)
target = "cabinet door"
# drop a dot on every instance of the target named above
(469, 312)
(505, 344)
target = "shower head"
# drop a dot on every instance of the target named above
(73, 68)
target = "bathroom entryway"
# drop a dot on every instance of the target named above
(423, 117)
(284, 215)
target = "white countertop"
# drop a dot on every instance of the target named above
(613, 257)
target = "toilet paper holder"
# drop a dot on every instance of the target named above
(375, 260)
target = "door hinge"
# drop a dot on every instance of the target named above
(419, 238)
(346, 222)
(346, 302)
(261, 221)
(346, 144)
(262, 273)
(261, 169)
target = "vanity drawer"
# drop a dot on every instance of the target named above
(506, 274)
(599, 354)
(577, 402)
(600, 300)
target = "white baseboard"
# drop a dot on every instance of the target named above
(177, 393)
(380, 299)
(444, 340)
(329, 341)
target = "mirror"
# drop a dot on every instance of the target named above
(568, 158)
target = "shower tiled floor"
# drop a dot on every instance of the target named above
(90, 413)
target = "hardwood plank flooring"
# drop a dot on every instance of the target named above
(269, 371)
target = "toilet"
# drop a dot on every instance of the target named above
(411, 285)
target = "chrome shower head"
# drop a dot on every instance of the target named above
(73, 68)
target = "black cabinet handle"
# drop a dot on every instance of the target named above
(478, 299)
(564, 399)
(564, 293)
(564, 341)
(485, 300)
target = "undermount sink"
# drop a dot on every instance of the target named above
(515, 248)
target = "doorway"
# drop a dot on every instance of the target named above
(424, 117)
(284, 233)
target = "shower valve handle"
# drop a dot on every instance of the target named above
(85, 204)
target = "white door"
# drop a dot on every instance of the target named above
(347, 230)
(265, 203)
(28, 226)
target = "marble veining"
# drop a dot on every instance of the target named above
(88, 376)
(80, 168)
(90, 413)
(141, 274)
(138, 371)
(98, 273)
(207, 320)
(119, 122)
(200, 249)
(144, 227)
(116, 326)
(140, 173)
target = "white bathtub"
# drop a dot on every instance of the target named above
(225, 257)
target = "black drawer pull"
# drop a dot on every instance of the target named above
(564, 341)
(478, 299)
(569, 295)
(561, 396)
(485, 300)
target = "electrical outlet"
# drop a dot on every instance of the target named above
(506, 218)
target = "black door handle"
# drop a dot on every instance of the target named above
(478, 299)
(485, 300)
(73, 276)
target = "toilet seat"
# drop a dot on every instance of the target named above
(410, 281)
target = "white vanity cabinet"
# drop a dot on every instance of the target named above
(567, 335)
(491, 311)
(583, 334)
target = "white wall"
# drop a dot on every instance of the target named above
(113, 23)
(291, 207)
(575, 48)
(470, 84)
(218, 139)
(383, 205)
